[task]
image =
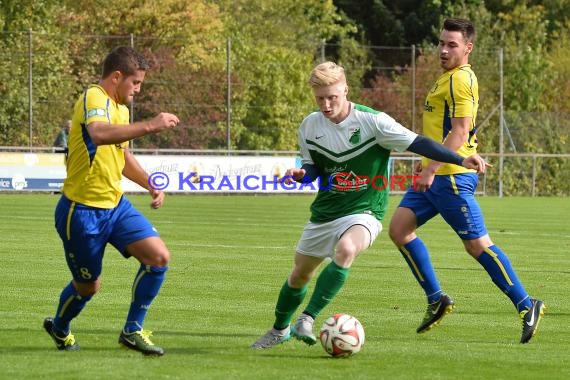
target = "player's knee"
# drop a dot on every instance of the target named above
(400, 236)
(476, 246)
(403, 226)
(346, 252)
(161, 259)
(473, 251)
(299, 279)
(87, 289)
(395, 234)
(154, 257)
(346, 249)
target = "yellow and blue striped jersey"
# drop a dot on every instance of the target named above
(94, 172)
(454, 94)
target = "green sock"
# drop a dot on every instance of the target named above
(329, 283)
(287, 303)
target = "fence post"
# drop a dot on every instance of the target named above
(413, 88)
(132, 105)
(30, 90)
(229, 94)
(501, 123)
(533, 174)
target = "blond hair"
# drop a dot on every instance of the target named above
(325, 74)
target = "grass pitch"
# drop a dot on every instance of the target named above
(231, 254)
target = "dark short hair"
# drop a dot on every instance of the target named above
(124, 59)
(462, 25)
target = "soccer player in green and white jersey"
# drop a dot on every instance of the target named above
(347, 146)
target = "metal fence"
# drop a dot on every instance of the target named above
(54, 79)
(393, 79)
(528, 174)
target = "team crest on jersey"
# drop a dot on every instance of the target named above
(354, 135)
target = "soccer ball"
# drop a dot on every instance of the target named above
(342, 335)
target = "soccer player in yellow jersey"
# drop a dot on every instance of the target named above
(93, 211)
(449, 118)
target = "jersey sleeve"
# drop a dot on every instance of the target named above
(392, 135)
(461, 94)
(303, 147)
(96, 106)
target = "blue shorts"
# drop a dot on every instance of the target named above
(452, 196)
(85, 232)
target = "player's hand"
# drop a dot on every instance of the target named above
(157, 198)
(293, 175)
(163, 121)
(476, 162)
(418, 168)
(424, 180)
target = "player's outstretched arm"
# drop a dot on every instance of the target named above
(102, 133)
(428, 148)
(476, 162)
(306, 173)
(293, 175)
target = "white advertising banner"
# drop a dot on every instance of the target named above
(171, 173)
(31, 171)
(243, 174)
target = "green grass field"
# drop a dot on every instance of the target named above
(231, 255)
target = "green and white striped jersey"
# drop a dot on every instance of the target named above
(352, 159)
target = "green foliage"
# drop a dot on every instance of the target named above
(13, 96)
(272, 57)
(30, 24)
(534, 75)
(274, 45)
(557, 92)
(184, 42)
(357, 61)
(523, 33)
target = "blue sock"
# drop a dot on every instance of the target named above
(145, 288)
(417, 256)
(497, 264)
(70, 305)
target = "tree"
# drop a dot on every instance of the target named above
(557, 94)
(523, 33)
(25, 24)
(183, 39)
(272, 56)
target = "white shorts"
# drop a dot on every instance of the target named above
(320, 239)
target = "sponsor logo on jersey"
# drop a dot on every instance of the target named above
(428, 107)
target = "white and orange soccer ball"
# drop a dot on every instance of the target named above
(342, 335)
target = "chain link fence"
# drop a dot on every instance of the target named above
(45, 74)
